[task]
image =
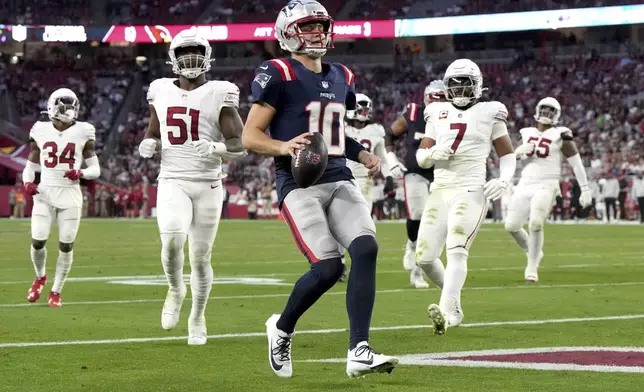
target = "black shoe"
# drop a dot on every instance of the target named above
(343, 276)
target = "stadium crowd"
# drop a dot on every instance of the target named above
(230, 11)
(599, 98)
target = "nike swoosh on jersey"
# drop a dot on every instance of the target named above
(264, 67)
(273, 363)
(213, 187)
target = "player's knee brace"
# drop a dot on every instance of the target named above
(38, 244)
(426, 252)
(327, 271)
(412, 229)
(200, 251)
(172, 243)
(65, 247)
(512, 227)
(535, 225)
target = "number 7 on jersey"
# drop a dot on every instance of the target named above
(460, 128)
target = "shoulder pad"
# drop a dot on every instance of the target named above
(35, 129)
(566, 133)
(278, 69)
(429, 110)
(499, 111)
(381, 130)
(229, 92)
(155, 87)
(411, 111)
(377, 130)
(89, 130)
(348, 74)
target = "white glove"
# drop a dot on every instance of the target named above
(148, 148)
(396, 168)
(586, 198)
(204, 148)
(494, 189)
(440, 153)
(523, 150)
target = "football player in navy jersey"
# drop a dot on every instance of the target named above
(416, 182)
(293, 97)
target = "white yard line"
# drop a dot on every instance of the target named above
(277, 274)
(620, 255)
(285, 295)
(318, 331)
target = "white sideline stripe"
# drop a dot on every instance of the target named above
(285, 295)
(276, 274)
(317, 331)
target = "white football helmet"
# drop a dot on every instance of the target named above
(190, 65)
(548, 111)
(434, 92)
(363, 110)
(294, 39)
(463, 82)
(63, 105)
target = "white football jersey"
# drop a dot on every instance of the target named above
(60, 151)
(469, 133)
(545, 162)
(186, 116)
(372, 137)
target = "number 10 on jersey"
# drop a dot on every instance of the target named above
(324, 123)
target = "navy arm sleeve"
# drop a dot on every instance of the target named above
(352, 148)
(267, 86)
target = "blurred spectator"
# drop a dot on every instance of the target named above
(638, 193)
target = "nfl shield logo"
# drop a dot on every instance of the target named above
(311, 158)
(325, 84)
(19, 33)
(442, 115)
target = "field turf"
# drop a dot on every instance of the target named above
(108, 337)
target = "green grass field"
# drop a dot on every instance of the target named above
(108, 337)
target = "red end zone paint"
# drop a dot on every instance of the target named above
(599, 358)
(586, 359)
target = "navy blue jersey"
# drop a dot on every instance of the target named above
(415, 132)
(308, 102)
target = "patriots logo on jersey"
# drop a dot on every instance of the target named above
(262, 79)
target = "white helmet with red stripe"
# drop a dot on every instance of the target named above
(190, 54)
(363, 110)
(297, 28)
(63, 105)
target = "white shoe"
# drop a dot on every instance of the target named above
(416, 278)
(532, 274)
(172, 307)
(438, 319)
(455, 316)
(409, 260)
(279, 348)
(364, 360)
(197, 332)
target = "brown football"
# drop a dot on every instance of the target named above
(309, 164)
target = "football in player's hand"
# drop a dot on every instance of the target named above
(309, 164)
